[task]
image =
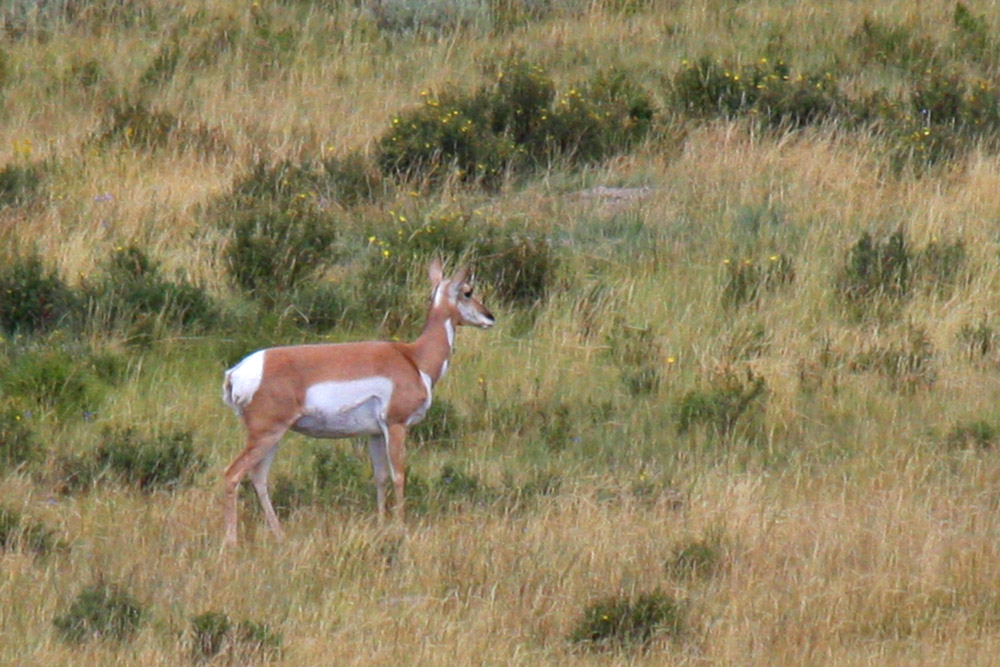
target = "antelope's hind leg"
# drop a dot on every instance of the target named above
(255, 459)
(380, 471)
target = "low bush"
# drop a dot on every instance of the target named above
(454, 485)
(281, 224)
(978, 339)
(517, 265)
(19, 445)
(16, 532)
(766, 91)
(722, 404)
(244, 641)
(885, 43)
(148, 463)
(33, 298)
(101, 611)
(876, 275)
(746, 281)
(151, 462)
(135, 125)
(54, 377)
(341, 478)
(130, 295)
(21, 184)
(941, 265)
(442, 426)
(637, 352)
(978, 434)
(513, 124)
(697, 559)
(624, 622)
(907, 361)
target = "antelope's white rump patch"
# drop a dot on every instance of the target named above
(243, 380)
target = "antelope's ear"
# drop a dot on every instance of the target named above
(435, 273)
(460, 276)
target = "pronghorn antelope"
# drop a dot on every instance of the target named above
(378, 389)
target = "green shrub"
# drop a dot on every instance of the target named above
(454, 484)
(131, 294)
(598, 118)
(520, 267)
(907, 362)
(517, 265)
(698, 559)
(257, 639)
(979, 339)
(149, 463)
(134, 125)
(336, 477)
(979, 434)
(341, 478)
(622, 622)
(893, 44)
(18, 443)
(747, 281)
(876, 273)
(211, 631)
(145, 462)
(282, 231)
(442, 426)
(32, 298)
(766, 91)
(321, 307)
(637, 352)
(514, 124)
(78, 473)
(18, 533)
(215, 634)
(21, 184)
(940, 265)
(721, 405)
(350, 180)
(101, 611)
(54, 377)
(448, 137)
(163, 66)
(973, 34)
(706, 88)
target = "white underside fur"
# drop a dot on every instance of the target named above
(346, 408)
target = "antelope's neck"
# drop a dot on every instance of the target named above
(432, 350)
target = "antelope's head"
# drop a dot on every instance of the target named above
(455, 296)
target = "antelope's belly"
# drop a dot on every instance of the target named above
(345, 409)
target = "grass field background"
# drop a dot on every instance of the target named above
(745, 415)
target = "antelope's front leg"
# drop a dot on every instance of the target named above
(397, 459)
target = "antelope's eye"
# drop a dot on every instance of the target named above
(468, 292)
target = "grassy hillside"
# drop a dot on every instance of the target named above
(738, 407)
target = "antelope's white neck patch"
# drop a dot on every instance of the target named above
(449, 330)
(419, 413)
